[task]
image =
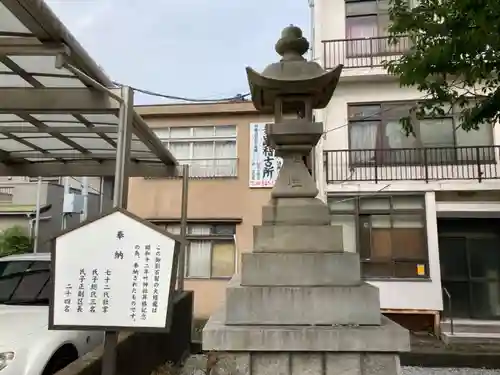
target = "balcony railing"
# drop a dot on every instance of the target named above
(413, 164)
(362, 52)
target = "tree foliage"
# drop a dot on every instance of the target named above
(454, 56)
(14, 240)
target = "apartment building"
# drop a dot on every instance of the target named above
(231, 176)
(423, 212)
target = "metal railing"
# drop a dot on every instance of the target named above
(414, 164)
(450, 310)
(7, 190)
(209, 168)
(362, 52)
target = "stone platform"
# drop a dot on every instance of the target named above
(388, 337)
(314, 350)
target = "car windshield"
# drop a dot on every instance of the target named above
(24, 282)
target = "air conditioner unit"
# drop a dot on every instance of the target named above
(73, 203)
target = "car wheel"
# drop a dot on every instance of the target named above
(61, 358)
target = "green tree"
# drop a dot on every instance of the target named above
(454, 56)
(14, 240)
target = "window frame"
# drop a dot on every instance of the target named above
(165, 136)
(214, 238)
(420, 156)
(378, 44)
(24, 273)
(356, 211)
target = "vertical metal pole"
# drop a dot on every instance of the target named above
(85, 193)
(37, 213)
(64, 223)
(184, 213)
(120, 193)
(101, 194)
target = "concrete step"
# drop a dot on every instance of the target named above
(471, 326)
(284, 305)
(297, 238)
(470, 338)
(300, 269)
(296, 211)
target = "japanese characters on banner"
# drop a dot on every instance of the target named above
(264, 166)
(113, 272)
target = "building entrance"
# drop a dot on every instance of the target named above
(469, 252)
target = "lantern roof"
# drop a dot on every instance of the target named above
(292, 76)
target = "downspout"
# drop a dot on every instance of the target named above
(313, 36)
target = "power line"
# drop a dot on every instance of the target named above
(367, 117)
(237, 97)
(361, 119)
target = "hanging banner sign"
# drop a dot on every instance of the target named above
(264, 166)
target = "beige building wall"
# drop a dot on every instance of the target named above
(216, 198)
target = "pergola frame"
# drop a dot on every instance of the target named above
(29, 29)
(85, 93)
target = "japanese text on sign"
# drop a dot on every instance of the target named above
(264, 165)
(119, 276)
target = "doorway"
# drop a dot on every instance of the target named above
(469, 253)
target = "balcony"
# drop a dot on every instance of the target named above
(413, 164)
(363, 52)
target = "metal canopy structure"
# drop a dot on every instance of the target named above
(59, 112)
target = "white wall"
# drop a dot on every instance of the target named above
(329, 23)
(419, 295)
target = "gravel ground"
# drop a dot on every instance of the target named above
(447, 371)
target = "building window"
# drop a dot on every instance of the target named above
(367, 22)
(212, 252)
(376, 131)
(388, 232)
(210, 151)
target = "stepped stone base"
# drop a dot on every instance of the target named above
(260, 363)
(302, 305)
(296, 211)
(388, 337)
(298, 238)
(300, 269)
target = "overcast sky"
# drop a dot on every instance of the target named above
(189, 48)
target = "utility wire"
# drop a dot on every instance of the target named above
(237, 97)
(361, 119)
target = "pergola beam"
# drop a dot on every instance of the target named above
(59, 129)
(84, 168)
(56, 100)
(149, 138)
(69, 157)
(30, 47)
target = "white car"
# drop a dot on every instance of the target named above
(27, 346)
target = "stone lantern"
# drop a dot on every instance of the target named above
(299, 304)
(291, 89)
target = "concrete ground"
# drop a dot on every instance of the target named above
(447, 371)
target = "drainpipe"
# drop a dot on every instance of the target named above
(313, 37)
(85, 193)
(64, 215)
(37, 213)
